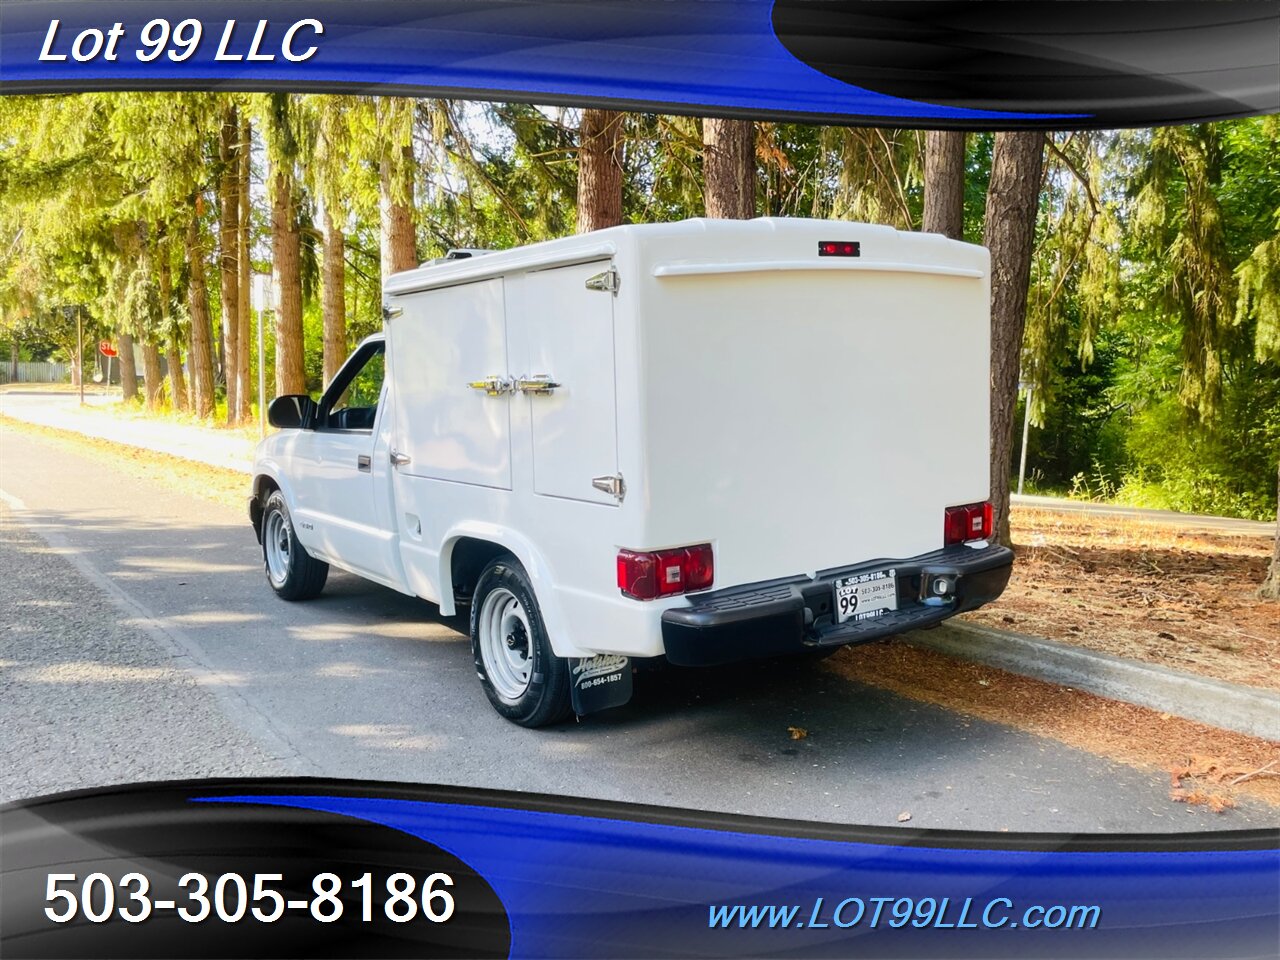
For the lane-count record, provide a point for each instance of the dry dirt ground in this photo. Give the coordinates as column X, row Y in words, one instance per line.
column 1148, row 591
column 1090, row 580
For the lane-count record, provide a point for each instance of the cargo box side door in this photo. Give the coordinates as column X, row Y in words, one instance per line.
column 445, row 346
column 568, row 382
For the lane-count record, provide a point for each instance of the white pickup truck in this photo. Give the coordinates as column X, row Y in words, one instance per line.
column 706, row 440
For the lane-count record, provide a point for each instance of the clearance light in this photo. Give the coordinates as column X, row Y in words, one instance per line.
column 665, row 573
column 839, row 248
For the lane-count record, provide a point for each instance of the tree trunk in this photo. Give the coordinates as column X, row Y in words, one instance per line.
column 244, row 382
column 154, row 382
column 201, row 352
column 334, row 306
column 1013, row 200
column 944, row 183
column 286, row 245
column 177, row 382
column 13, row 360
column 128, row 368
column 1270, row 589
column 229, row 251
column 729, row 168
column 599, row 170
column 399, row 240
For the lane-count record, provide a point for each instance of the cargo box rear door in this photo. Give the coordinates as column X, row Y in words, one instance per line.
column 568, row 330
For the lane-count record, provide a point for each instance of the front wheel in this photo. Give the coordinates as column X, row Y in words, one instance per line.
column 521, row 675
column 292, row 572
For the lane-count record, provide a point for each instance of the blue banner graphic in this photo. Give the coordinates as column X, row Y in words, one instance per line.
column 909, row 63
column 577, row 885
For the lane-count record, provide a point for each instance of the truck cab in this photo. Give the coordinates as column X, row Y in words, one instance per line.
column 707, row 441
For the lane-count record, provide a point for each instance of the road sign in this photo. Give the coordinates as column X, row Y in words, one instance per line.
column 106, row 349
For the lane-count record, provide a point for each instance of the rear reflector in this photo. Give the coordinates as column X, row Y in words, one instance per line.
column 966, row 524
column 839, row 248
column 666, row 573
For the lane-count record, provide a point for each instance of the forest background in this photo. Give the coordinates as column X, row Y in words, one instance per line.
column 1136, row 273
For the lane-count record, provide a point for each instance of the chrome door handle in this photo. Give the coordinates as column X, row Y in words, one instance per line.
column 494, row 386
column 538, row 384
column 399, row 459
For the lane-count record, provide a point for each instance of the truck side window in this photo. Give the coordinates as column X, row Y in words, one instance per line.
column 356, row 407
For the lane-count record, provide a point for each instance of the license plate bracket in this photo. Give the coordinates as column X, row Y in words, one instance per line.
column 865, row 596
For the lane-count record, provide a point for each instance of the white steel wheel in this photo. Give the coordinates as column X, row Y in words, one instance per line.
column 506, row 640
column 275, row 547
column 521, row 675
column 292, row 572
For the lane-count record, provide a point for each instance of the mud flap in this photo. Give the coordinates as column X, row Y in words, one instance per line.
column 599, row 683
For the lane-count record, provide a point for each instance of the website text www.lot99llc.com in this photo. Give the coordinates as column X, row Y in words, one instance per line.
column 896, row 912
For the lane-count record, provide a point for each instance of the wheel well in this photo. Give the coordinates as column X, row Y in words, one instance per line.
column 263, row 487
column 468, row 558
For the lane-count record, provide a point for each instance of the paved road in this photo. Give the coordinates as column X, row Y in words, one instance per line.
column 1185, row 521
column 146, row 645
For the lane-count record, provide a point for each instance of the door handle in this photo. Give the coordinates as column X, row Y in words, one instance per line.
column 494, row 386
column 364, row 464
column 399, row 459
column 540, row 384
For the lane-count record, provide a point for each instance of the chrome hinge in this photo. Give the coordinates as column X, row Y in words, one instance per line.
column 612, row 485
column 390, row 313
column 607, row 282
column 493, row 386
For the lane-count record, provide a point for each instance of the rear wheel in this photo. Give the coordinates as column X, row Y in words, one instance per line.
column 521, row 675
column 292, row 572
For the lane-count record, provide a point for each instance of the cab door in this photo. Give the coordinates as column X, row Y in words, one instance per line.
column 343, row 466
column 568, row 382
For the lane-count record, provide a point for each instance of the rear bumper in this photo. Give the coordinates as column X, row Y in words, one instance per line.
column 795, row 614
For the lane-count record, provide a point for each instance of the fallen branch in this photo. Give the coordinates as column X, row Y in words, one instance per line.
column 1260, row 772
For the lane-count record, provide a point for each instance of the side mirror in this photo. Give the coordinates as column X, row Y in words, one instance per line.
column 292, row 412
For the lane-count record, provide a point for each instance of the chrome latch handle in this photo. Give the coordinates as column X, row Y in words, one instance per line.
column 493, row 386
column 539, row 384
column 399, row 459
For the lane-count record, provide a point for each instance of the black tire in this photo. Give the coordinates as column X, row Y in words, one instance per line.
column 545, row 699
column 300, row 576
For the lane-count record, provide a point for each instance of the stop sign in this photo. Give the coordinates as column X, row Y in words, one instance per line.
column 106, row 349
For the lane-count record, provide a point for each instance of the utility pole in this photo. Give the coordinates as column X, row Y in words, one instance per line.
column 1026, row 429
column 262, row 297
column 80, row 351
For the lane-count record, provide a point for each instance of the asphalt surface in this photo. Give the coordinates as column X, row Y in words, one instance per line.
column 1184, row 521
column 141, row 642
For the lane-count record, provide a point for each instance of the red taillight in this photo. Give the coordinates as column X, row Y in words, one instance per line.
column 665, row 573
column 839, row 248
column 967, row 523
column 637, row 574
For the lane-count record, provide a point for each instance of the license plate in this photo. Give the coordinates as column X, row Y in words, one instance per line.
column 866, row 596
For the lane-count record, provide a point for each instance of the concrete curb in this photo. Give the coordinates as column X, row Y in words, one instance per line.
column 1227, row 705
